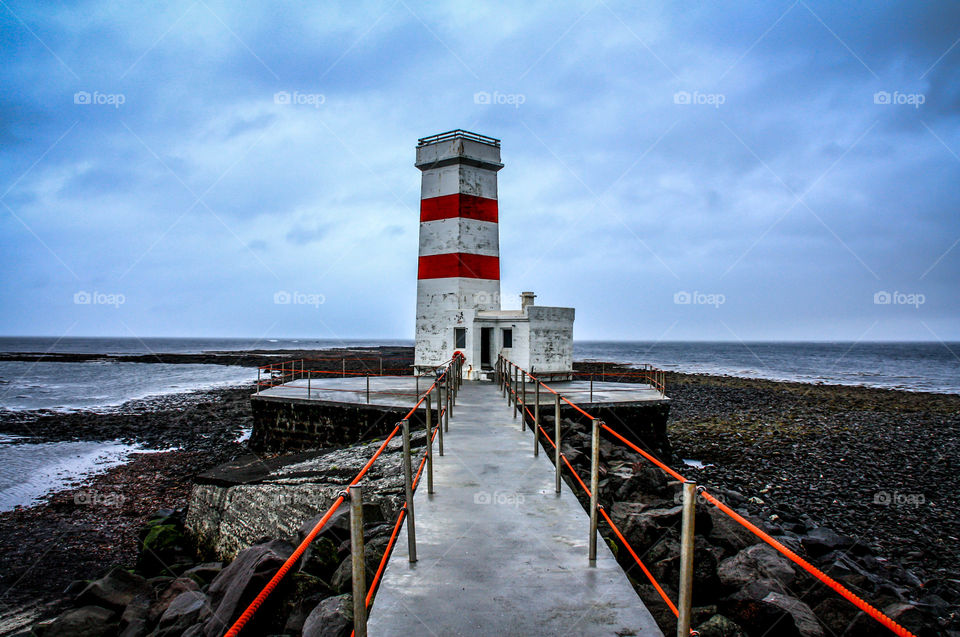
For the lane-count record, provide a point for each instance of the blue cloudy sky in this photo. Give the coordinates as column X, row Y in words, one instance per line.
column 755, row 171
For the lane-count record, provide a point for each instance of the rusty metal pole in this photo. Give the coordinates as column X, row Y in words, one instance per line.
column 591, row 387
column 258, row 380
column 429, row 417
column 685, row 600
column 308, row 386
column 536, row 420
column 523, row 394
column 516, row 390
column 556, row 438
column 381, row 365
column 343, row 366
column 450, row 392
column 368, row 390
column 408, row 492
column 440, row 413
column 594, row 487
column 357, row 562
column 446, row 411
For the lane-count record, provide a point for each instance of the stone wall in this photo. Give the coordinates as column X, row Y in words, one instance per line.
column 289, row 425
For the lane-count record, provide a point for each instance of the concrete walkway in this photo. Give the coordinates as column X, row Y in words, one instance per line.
column 500, row 552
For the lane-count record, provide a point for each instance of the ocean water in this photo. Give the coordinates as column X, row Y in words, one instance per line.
column 928, row 367
column 101, row 386
column 98, row 345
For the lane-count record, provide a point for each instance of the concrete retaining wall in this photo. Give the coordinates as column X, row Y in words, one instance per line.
column 288, row 425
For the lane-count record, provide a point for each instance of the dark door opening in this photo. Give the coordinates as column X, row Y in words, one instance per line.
column 486, row 341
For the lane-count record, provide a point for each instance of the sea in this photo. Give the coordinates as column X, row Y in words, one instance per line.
column 29, row 470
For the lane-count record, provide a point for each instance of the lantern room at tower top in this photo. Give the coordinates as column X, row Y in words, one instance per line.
column 458, row 275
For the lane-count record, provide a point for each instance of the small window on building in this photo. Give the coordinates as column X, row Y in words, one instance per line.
column 460, row 338
column 508, row 338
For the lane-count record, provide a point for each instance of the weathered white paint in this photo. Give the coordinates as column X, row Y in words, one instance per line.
column 450, row 180
column 445, row 236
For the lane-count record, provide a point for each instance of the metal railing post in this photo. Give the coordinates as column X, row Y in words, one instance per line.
column 368, row 390
column 408, row 492
column 556, row 437
column 343, row 366
column 440, row 423
column 258, row 380
column 536, row 420
column 308, row 386
column 446, row 412
column 685, row 600
column 450, row 393
column 523, row 408
column 357, row 562
column 591, row 387
column 594, row 486
column 516, row 390
column 381, row 365
column 429, row 418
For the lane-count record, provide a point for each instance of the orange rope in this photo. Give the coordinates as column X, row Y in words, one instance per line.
column 386, row 555
column 813, row 570
column 280, row 574
column 646, row 571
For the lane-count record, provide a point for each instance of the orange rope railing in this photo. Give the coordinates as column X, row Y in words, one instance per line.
column 794, row 557
column 252, row 608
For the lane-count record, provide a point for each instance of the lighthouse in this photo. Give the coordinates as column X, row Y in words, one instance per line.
column 458, row 270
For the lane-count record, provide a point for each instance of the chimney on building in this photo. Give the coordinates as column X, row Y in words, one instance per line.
column 526, row 298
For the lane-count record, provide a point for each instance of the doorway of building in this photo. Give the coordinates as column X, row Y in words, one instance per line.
column 486, row 341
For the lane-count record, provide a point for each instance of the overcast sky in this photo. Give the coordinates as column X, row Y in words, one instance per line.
column 766, row 171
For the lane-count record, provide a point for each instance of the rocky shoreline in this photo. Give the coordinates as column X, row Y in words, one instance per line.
column 814, row 456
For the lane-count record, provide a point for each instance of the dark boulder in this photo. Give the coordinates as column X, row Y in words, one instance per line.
column 204, row 573
column 720, row 626
column 177, row 587
column 114, row 590
column 333, row 617
column 822, row 540
column 239, row 583
column 755, row 563
column 182, row 613
column 86, row 621
column 803, row 619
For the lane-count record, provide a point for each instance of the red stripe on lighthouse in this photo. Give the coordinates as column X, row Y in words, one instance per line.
column 458, row 205
column 459, row 264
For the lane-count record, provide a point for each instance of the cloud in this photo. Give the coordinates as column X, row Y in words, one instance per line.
column 782, row 185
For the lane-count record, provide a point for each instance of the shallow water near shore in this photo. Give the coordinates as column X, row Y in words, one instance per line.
column 31, row 470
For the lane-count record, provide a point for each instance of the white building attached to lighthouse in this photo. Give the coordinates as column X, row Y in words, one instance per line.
column 458, row 277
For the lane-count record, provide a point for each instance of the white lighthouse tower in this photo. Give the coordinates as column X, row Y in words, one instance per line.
column 458, row 275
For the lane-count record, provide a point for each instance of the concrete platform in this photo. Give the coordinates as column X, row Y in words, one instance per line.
column 500, row 552
column 399, row 391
